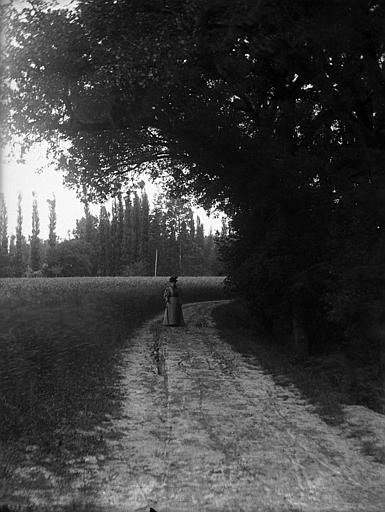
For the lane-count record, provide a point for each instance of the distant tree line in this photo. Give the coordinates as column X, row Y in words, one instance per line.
column 132, row 239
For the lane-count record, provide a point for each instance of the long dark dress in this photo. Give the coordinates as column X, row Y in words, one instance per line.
column 173, row 314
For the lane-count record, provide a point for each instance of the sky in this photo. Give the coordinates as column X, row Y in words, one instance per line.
column 22, row 177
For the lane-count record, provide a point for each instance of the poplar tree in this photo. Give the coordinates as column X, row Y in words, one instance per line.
column 18, row 260
column 89, row 224
column 35, row 244
column 3, row 226
column 4, row 259
column 157, row 235
column 127, row 233
column 171, row 254
column 52, row 237
column 119, row 233
column 117, row 227
column 144, row 230
column 136, row 215
column 200, row 234
column 86, row 230
column 115, row 242
column 104, row 243
column 210, row 255
column 12, row 248
column 184, row 244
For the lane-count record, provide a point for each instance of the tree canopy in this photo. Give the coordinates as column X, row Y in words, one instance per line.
column 219, row 93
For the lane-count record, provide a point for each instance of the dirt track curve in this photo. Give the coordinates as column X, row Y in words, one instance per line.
column 203, row 428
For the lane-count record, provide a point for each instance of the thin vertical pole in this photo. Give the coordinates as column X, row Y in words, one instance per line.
column 156, row 261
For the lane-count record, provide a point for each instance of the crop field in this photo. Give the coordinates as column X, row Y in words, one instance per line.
column 32, row 291
column 59, row 341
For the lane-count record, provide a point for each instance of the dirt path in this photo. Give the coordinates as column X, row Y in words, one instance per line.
column 203, row 428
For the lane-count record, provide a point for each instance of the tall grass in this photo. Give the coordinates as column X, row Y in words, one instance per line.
column 59, row 342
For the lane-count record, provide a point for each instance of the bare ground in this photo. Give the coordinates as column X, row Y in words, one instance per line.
column 204, row 428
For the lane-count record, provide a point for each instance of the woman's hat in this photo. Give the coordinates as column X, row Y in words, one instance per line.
column 173, row 279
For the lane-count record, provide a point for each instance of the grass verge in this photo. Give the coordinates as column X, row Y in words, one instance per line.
column 316, row 385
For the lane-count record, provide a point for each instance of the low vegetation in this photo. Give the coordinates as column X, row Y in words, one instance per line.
column 59, row 341
column 328, row 381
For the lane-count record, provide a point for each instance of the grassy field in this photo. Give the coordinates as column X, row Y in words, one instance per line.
column 59, row 341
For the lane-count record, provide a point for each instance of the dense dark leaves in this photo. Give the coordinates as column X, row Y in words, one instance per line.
column 216, row 89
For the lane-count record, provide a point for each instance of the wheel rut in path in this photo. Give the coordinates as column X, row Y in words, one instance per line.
column 203, row 428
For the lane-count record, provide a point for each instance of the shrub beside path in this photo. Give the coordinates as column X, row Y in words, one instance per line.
column 203, row 428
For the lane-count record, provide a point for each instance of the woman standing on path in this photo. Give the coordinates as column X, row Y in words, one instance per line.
column 173, row 315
